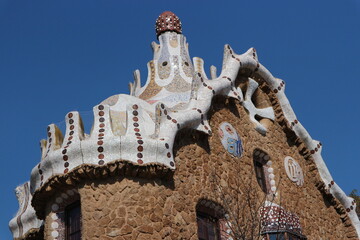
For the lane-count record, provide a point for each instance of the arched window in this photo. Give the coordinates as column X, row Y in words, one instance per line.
column 262, row 170
column 73, row 221
column 65, row 216
column 211, row 220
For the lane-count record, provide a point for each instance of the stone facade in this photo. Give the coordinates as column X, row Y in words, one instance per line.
column 119, row 207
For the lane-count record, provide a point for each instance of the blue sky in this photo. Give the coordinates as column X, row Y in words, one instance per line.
column 59, row 56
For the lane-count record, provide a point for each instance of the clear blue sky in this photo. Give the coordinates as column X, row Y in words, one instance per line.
column 58, row 56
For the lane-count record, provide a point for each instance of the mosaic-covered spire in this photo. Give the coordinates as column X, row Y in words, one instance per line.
column 168, row 21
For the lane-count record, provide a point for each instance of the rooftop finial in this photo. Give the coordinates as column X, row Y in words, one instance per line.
column 168, row 21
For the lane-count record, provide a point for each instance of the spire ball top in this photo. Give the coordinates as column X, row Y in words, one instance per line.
column 167, row 21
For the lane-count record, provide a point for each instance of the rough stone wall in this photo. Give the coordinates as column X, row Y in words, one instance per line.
column 138, row 208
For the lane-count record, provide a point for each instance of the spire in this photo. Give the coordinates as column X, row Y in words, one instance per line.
column 168, row 21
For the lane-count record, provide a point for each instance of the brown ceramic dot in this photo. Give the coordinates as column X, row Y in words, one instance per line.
column 39, row 166
column 135, row 113
column 100, row 149
column 229, row 79
column 139, row 137
column 316, row 149
column 178, row 126
column 137, row 134
column 101, row 135
column 101, row 130
column 70, row 115
column 351, row 207
column 101, row 119
column 42, row 178
column 168, row 117
column 135, row 124
column 40, row 171
column 296, row 121
column 140, row 148
column 71, row 133
column 172, row 164
column 167, row 145
column 162, row 139
column 199, row 74
column 140, row 161
column 165, row 112
column 66, row 170
column 71, row 121
column 162, row 106
column 101, row 156
column 70, row 138
column 140, row 141
column 275, row 90
column 332, row 182
column 64, row 151
column 65, row 157
column 135, row 119
column 348, row 209
column 135, row 106
column 69, row 142
column 50, row 140
column 66, row 164
column 139, row 155
column 312, row 151
column 186, row 63
column 49, row 134
column 292, row 123
column 168, row 155
column 48, row 128
column 101, row 113
column 101, row 162
column 100, row 142
column 101, row 107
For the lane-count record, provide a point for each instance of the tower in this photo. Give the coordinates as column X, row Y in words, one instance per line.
column 179, row 156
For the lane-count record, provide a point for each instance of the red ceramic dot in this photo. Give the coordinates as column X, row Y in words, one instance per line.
column 168, row 155
column 101, row 156
column 65, row 157
column 140, row 148
column 101, row 113
column 101, row 125
column 140, row 161
column 135, row 106
column 66, row 170
column 100, row 142
column 70, row 115
column 135, row 119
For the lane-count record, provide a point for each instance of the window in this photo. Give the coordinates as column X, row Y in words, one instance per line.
column 73, row 221
column 283, row 236
column 211, row 221
column 208, row 227
column 261, row 170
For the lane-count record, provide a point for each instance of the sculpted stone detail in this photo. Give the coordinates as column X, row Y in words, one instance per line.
column 230, row 139
column 294, row 171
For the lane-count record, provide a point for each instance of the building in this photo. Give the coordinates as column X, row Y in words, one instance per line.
column 186, row 156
